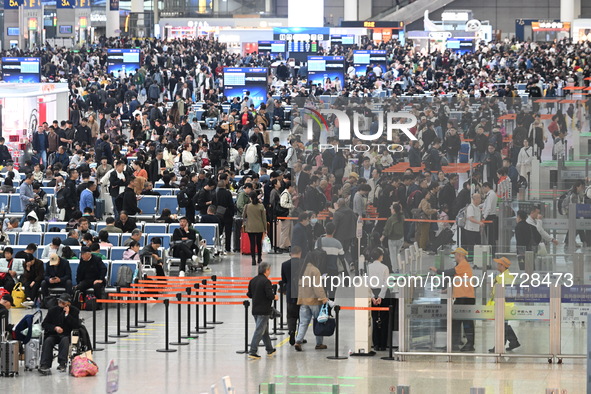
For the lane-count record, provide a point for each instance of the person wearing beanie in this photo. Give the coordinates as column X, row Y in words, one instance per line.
column 504, row 278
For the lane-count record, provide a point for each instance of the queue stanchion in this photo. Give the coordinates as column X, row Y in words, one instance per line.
column 281, row 325
column 337, row 309
column 96, row 349
column 214, row 278
column 166, row 323
column 146, row 321
column 246, row 304
column 198, row 329
column 390, row 333
column 179, row 297
column 189, row 334
column 128, row 329
column 205, row 326
column 136, row 308
column 106, row 341
column 275, row 332
column 118, row 335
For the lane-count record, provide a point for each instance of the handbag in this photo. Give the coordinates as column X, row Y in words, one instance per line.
column 323, row 314
column 18, row 295
column 83, row 366
column 325, row 329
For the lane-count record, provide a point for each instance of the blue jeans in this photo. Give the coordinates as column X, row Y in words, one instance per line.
column 210, row 122
column 307, row 313
column 261, row 332
column 115, row 212
column 43, row 156
column 256, row 167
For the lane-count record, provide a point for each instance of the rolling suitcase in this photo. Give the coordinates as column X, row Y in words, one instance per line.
column 9, row 358
column 464, row 154
column 244, row 243
column 237, row 232
column 32, row 354
column 99, row 210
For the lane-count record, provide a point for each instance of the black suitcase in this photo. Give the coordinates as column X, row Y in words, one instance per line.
column 236, row 233
column 446, row 237
column 99, row 210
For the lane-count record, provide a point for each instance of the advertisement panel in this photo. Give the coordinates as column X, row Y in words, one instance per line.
column 237, row 81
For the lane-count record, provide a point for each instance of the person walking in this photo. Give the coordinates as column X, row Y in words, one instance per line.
column 260, row 290
column 290, row 271
column 255, row 225
column 504, row 278
column 394, row 232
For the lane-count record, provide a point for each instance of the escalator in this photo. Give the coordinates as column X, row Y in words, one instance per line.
column 409, row 12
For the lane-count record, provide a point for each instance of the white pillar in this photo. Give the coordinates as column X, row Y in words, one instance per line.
column 112, row 25
column 305, row 13
column 351, row 10
column 137, row 7
column 365, row 10
column 569, row 10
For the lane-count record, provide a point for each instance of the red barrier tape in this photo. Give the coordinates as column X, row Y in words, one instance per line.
column 129, row 301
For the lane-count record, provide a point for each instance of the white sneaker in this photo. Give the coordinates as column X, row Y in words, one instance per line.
column 28, row 304
column 181, row 273
column 195, row 259
column 206, row 269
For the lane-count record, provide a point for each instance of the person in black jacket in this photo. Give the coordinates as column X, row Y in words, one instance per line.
column 129, row 202
column 447, row 194
column 4, row 153
column 462, row 200
column 452, row 145
column 191, row 191
column 204, row 198
column 184, row 239
column 299, row 235
column 523, row 237
column 414, row 155
column 92, row 272
column 289, row 278
column 345, row 221
column 216, row 152
column 223, row 198
column 157, row 167
column 117, row 183
column 125, row 223
column 83, row 133
column 58, row 325
column 260, row 290
column 71, row 196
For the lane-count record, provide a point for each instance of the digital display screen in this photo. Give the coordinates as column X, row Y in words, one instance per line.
column 238, row 81
column 21, row 69
column 271, row 48
column 362, row 59
column 13, row 31
column 326, row 71
column 123, row 60
column 66, row 29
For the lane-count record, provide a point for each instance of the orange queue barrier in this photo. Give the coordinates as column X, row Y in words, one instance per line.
column 437, row 221
column 106, row 301
column 241, row 278
column 286, row 218
column 365, row 308
column 166, row 295
column 194, row 278
column 181, row 289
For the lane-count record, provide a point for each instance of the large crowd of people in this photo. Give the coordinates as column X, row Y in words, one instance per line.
column 131, row 135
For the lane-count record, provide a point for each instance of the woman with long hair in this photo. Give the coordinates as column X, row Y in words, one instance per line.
column 255, row 219
column 311, row 296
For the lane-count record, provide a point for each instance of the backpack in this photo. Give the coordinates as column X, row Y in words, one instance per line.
column 461, row 217
column 61, row 198
column 311, row 160
column 281, row 156
column 124, row 276
column 564, row 202
column 251, row 154
column 182, row 199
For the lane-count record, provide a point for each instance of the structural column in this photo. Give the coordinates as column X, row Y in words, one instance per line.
column 112, row 11
column 305, row 13
column 569, row 10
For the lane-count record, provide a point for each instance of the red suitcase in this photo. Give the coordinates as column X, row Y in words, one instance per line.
column 244, row 243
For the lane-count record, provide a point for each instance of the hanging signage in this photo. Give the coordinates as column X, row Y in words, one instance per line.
column 550, row 26
column 114, row 5
column 374, row 24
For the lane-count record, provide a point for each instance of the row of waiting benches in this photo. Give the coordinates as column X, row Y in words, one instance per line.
column 19, row 241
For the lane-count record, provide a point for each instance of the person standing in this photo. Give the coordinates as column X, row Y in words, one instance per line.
column 40, row 145
column 255, row 219
column 474, row 223
column 223, row 198
column 345, row 222
column 394, row 233
column 299, row 236
column 260, row 290
column 290, row 271
column 504, row 278
column 489, row 213
column 380, row 298
column 463, row 293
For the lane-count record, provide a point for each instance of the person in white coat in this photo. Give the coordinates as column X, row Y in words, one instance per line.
column 525, row 158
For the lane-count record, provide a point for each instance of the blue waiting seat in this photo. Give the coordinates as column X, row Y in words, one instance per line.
column 150, row 228
column 60, row 225
column 169, row 202
column 100, row 226
column 148, row 205
column 74, row 267
column 50, row 236
column 12, row 237
column 117, row 252
column 172, row 227
column 5, row 201
column 15, row 204
column 126, row 236
column 209, row 232
column 115, row 239
column 164, row 236
column 27, row 238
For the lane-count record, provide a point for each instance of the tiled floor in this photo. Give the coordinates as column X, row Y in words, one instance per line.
column 194, row 368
